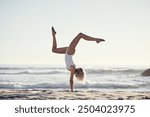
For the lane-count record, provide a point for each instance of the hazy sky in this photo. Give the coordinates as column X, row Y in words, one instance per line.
column 25, row 31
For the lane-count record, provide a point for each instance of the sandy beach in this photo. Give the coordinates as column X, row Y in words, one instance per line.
column 67, row 95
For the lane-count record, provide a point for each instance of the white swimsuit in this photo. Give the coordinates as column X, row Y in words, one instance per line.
column 69, row 61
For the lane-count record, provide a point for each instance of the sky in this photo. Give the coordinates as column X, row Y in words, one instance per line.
column 25, row 31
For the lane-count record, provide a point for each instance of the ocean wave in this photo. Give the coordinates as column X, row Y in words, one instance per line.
column 112, row 71
column 47, row 71
column 87, row 85
column 27, row 68
column 32, row 72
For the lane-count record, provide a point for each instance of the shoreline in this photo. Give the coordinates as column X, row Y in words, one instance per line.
column 67, row 95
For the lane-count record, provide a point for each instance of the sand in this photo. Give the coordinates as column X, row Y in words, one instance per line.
column 67, row 95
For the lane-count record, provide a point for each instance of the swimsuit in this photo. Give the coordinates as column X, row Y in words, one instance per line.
column 69, row 60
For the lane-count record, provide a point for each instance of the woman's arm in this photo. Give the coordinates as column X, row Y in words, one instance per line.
column 72, row 72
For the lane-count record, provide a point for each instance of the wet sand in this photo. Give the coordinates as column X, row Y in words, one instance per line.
column 67, row 95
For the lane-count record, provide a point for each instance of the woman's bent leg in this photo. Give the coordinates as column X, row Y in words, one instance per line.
column 61, row 50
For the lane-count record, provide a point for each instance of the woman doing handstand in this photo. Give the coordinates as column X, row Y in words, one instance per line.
column 69, row 52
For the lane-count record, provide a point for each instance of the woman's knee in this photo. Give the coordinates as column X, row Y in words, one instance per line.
column 54, row 50
column 80, row 35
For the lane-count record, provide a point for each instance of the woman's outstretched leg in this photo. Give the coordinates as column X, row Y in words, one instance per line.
column 54, row 46
column 89, row 38
column 75, row 41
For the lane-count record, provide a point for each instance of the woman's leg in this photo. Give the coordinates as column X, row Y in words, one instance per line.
column 54, row 46
column 75, row 41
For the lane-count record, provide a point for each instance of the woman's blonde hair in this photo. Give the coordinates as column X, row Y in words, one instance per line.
column 82, row 76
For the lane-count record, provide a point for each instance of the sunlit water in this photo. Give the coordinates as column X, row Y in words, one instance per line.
column 99, row 78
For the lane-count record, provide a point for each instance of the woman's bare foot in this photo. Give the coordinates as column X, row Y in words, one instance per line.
column 53, row 31
column 99, row 40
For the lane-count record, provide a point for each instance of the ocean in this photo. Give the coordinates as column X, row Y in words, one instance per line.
column 56, row 77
